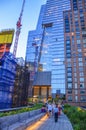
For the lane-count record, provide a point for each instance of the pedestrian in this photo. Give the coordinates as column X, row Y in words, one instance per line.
column 56, row 113
column 43, row 109
column 49, row 110
column 53, row 106
column 59, row 109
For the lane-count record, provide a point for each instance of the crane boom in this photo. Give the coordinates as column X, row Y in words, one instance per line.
column 18, row 29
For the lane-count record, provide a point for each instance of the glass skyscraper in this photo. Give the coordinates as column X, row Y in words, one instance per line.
column 45, row 45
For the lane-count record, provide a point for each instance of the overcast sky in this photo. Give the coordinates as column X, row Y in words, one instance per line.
column 9, row 14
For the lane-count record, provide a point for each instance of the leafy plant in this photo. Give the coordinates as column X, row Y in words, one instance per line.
column 36, row 106
column 77, row 116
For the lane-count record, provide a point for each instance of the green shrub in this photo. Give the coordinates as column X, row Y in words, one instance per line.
column 76, row 116
column 76, row 127
column 35, row 107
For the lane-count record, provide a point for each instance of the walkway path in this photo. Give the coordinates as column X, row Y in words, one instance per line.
column 49, row 124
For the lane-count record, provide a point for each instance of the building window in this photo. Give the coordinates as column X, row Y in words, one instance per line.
column 75, row 85
column 69, row 91
column 72, row 41
column 74, row 69
column 81, row 74
column 84, row 36
column 79, row 50
column 68, row 47
column 76, row 92
column 77, row 24
column 74, row 64
column 75, row 79
column 68, row 51
column 77, row 36
column 76, row 12
column 70, row 98
column 69, row 85
column 68, row 42
column 81, row 79
column 81, row 11
column 69, row 65
column 76, row 98
column 68, row 55
column 80, row 68
column 69, row 79
column 81, row 85
column 69, row 69
column 68, row 38
column 84, row 40
column 78, row 42
column 69, row 74
column 68, row 60
column 79, row 54
column 74, row 59
column 77, row 29
column 79, row 59
column 75, row 74
column 84, row 45
column 80, row 64
column 78, row 45
column 82, row 92
column 76, row 19
column 83, row 98
column 83, row 32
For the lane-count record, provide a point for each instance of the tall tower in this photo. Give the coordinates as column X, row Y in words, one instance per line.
column 18, row 30
column 52, row 51
column 75, row 52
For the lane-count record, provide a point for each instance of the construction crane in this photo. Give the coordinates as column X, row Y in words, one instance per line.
column 18, row 30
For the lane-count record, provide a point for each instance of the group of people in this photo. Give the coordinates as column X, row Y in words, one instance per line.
column 53, row 109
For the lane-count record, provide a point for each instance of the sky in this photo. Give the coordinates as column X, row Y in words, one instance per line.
column 9, row 14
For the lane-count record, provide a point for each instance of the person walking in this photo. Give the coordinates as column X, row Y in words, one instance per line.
column 49, row 110
column 53, row 106
column 59, row 109
column 56, row 113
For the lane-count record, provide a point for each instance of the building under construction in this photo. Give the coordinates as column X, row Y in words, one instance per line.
column 6, row 38
column 7, row 76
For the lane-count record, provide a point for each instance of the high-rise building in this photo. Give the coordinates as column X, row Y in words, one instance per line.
column 60, row 37
column 49, row 37
column 75, row 52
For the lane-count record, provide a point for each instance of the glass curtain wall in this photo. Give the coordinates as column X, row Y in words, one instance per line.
column 52, row 53
column 54, row 14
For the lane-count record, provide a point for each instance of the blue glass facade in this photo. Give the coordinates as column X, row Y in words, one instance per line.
column 50, row 35
column 7, row 76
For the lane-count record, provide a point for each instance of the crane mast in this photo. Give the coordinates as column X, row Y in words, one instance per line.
column 18, row 30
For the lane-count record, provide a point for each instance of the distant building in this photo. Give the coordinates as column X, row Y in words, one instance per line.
column 6, row 38
column 7, row 77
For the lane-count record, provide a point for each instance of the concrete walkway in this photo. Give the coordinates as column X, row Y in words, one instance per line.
column 49, row 124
